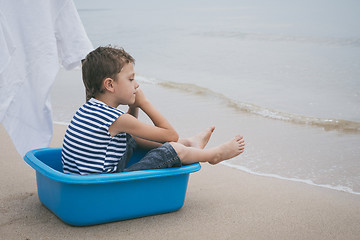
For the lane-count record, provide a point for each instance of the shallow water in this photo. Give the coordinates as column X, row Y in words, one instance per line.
column 298, row 58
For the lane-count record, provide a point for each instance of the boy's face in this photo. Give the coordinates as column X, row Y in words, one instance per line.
column 125, row 85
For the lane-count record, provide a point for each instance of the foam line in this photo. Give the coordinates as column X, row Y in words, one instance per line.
column 307, row 181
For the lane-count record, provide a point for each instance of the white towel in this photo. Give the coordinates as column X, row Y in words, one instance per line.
column 35, row 38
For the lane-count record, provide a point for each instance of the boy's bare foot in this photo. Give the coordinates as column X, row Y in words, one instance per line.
column 229, row 149
column 200, row 140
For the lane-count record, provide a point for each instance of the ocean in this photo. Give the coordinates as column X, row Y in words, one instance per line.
column 284, row 74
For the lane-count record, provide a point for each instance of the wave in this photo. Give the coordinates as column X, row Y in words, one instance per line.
column 325, row 123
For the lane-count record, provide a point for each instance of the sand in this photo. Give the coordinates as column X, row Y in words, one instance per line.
column 221, row 203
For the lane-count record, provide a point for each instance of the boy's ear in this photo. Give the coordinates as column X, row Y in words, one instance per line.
column 108, row 84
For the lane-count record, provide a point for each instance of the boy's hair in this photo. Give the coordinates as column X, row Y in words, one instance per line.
column 103, row 62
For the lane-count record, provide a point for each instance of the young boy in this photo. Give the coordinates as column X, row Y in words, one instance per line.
column 101, row 138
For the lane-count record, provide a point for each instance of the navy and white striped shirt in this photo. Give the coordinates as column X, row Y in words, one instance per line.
column 88, row 147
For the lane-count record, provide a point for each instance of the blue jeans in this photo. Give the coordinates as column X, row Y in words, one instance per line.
column 161, row 157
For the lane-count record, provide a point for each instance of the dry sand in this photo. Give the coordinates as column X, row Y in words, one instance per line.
column 221, row 203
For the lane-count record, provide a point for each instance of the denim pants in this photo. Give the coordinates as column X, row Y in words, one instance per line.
column 161, row 157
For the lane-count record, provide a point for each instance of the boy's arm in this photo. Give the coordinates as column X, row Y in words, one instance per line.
column 161, row 132
column 134, row 111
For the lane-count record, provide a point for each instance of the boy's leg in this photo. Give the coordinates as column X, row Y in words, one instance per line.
column 188, row 151
column 214, row 155
column 198, row 141
column 146, row 144
column 161, row 157
column 165, row 156
column 131, row 144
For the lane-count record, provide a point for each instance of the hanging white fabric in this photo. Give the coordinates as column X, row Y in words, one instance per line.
column 35, row 38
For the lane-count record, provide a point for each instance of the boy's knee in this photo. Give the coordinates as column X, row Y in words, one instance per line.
column 179, row 148
column 175, row 146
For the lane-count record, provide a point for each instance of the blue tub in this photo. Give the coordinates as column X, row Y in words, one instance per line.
column 94, row 199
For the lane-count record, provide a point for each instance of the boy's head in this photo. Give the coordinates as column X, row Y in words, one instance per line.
column 102, row 63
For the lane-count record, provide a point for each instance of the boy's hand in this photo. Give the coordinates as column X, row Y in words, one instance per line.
column 140, row 99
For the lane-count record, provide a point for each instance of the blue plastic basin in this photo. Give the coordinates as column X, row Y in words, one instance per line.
column 93, row 199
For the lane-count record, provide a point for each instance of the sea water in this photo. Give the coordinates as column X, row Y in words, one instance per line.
column 285, row 75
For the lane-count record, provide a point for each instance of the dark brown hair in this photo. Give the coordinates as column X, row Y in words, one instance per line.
column 102, row 63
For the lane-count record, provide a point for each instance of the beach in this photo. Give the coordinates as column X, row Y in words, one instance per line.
column 283, row 75
column 221, row 203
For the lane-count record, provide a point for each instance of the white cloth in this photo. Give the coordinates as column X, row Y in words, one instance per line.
column 35, row 38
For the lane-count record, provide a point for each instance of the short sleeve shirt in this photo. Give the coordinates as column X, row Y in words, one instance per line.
column 88, row 147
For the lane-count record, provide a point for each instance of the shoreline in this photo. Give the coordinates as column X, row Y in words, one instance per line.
column 232, row 204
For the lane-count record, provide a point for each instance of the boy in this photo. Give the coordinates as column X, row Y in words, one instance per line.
column 101, row 138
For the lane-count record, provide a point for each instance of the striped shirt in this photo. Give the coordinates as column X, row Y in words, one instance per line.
column 88, row 147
